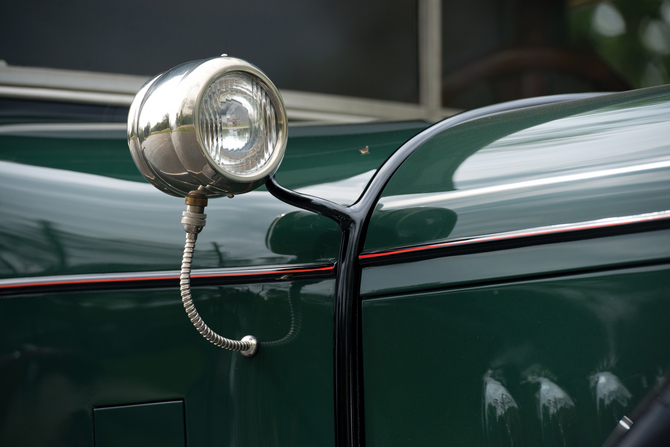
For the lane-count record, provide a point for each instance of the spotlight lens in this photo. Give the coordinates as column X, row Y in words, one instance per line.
column 238, row 124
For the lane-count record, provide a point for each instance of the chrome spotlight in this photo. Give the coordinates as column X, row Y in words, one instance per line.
column 204, row 129
column 215, row 125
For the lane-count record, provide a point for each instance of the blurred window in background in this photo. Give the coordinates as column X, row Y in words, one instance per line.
column 364, row 49
column 490, row 51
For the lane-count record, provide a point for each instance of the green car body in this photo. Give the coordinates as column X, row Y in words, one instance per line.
column 513, row 287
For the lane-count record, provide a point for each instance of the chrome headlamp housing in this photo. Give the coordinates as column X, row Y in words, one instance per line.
column 218, row 125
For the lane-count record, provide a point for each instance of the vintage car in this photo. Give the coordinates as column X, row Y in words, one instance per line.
column 499, row 278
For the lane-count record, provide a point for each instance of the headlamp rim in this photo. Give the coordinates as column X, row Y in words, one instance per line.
column 238, row 66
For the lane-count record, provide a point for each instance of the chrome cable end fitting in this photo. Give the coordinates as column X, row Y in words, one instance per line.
column 194, row 217
column 253, row 346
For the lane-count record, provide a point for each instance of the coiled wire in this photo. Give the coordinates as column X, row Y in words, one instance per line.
column 248, row 347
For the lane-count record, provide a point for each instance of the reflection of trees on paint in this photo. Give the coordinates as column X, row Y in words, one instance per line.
column 632, row 35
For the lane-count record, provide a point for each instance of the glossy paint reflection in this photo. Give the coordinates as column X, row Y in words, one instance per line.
column 410, row 226
column 502, row 424
column 558, row 416
column 344, row 192
column 63, row 355
column 612, row 399
column 531, row 350
column 585, row 160
column 62, row 222
column 319, row 237
column 67, row 212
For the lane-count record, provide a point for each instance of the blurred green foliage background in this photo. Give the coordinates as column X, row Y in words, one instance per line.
column 631, row 35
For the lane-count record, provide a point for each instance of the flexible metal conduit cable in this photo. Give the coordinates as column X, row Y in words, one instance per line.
column 193, row 220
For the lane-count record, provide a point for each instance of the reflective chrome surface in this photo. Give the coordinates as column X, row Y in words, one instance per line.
column 167, row 144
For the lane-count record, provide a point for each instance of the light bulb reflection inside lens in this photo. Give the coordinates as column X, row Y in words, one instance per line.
column 238, row 124
column 237, row 127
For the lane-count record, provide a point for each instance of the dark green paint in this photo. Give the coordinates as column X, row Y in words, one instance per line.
column 79, row 205
column 64, row 222
column 603, row 253
column 65, row 354
column 428, row 357
column 98, row 156
column 319, row 238
column 324, row 154
column 155, row 424
column 542, row 345
column 435, row 340
column 526, row 169
column 314, row 154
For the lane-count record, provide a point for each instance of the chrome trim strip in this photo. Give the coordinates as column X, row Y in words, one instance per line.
column 302, row 105
column 134, row 277
column 62, row 127
column 78, row 80
column 538, row 231
column 51, row 94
